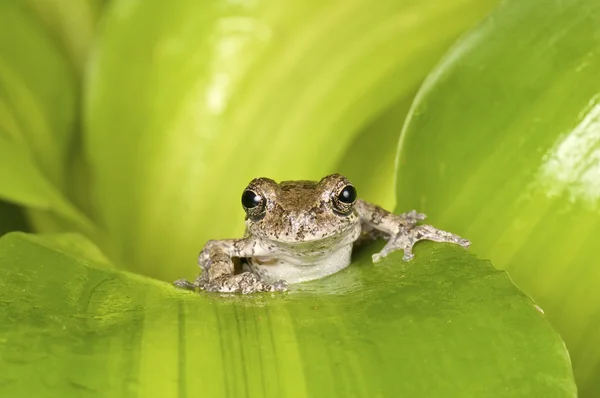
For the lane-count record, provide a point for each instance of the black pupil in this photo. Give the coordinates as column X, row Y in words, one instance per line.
column 348, row 194
column 250, row 199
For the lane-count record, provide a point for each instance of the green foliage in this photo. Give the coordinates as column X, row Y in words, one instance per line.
column 37, row 120
column 445, row 325
column 72, row 24
column 37, row 98
column 140, row 133
column 516, row 160
column 217, row 93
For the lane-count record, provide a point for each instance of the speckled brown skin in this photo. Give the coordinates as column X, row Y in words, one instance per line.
column 302, row 230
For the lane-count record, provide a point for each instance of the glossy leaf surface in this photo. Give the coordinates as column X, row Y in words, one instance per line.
column 444, row 325
column 503, row 147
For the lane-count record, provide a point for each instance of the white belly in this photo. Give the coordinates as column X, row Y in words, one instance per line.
column 297, row 269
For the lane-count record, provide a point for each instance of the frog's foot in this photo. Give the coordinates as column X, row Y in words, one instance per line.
column 245, row 283
column 407, row 238
column 185, row 284
column 412, row 217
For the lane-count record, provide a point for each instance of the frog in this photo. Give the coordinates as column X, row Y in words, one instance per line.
column 298, row 231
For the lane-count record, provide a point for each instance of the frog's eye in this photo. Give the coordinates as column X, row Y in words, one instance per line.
column 251, row 199
column 347, row 195
column 254, row 204
column 344, row 199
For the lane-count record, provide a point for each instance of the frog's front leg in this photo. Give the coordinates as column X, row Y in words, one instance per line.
column 216, row 261
column 402, row 230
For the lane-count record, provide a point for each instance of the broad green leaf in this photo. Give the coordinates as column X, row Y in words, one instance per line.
column 37, row 116
column 444, row 325
column 188, row 101
column 503, row 147
column 74, row 245
column 72, row 24
column 37, row 93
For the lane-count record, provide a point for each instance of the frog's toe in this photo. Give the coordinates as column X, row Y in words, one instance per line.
column 377, row 257
column 465, row 243
column 413, row 216
column 280, row 286
column 408, row 255
column 246, row 282
column 390, row 248
column 418, row 216
column 184, row 284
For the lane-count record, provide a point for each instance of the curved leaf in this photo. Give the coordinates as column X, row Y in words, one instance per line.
column 503, row 147
column 22, row 182
column 216, row 93
column 444, row 325
column 369, row 160
column 37, row 115
column 37, row 93
column 71, row 23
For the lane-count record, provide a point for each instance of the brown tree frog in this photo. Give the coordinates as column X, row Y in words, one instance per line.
column 299, row 231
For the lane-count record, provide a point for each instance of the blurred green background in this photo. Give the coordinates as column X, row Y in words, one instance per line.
column 138, row 123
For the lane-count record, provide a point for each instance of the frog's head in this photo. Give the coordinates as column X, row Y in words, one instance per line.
column 296, row 213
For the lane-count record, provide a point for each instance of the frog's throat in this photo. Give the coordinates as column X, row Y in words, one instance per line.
column 294, row 269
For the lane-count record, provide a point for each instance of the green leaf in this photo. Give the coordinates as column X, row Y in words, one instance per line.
column 37, row 93
column 369, row 160
column 444, row 325
column 72, row 24
column 503, row 147
column 37, row 119
column 73, row 245
column 22, row 182
column 216, row 93
column 72, row 27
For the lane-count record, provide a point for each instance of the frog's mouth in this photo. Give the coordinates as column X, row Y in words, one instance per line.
column 266, row 260
column 319, row 245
